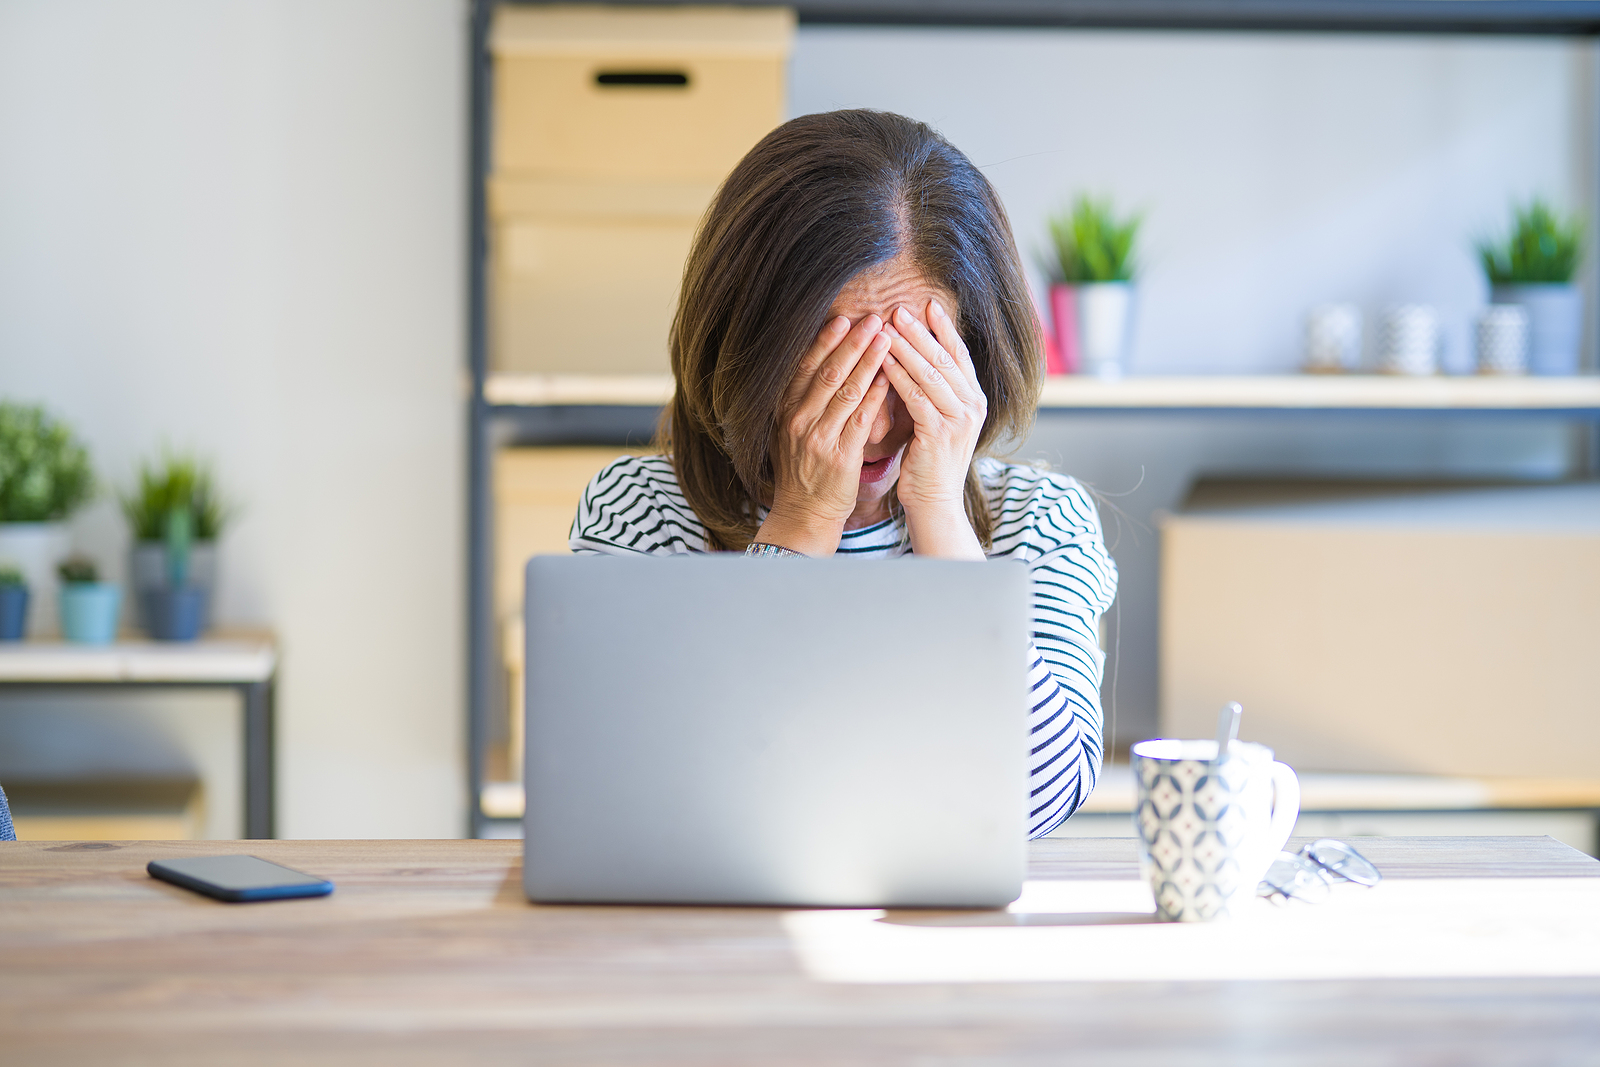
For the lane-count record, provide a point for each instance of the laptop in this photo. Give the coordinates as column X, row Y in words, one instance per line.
column 721, row 730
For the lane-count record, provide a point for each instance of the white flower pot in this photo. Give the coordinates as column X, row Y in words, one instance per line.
column 35, row 548
column 1555, row 324
column 1105, row 324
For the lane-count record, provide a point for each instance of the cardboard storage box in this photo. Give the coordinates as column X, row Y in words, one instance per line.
column 1431, row 629
column 612, row 129
column 536, row 496
column 673, row 94
column 586, row 294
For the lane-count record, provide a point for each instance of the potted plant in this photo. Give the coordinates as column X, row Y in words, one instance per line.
column 89, row 607
column 1092, row 293
column 1534, row 267
column 44, row 477
column 13, row 604
column 176, row 515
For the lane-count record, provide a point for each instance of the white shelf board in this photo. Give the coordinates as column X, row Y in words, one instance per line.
column 559, row 390
column 224, row 661
column 1319, row 792
column 1331, row 791
column 1287, row 392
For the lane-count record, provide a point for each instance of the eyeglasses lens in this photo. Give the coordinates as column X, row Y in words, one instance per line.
column 1344, row 861
column 1295, row 876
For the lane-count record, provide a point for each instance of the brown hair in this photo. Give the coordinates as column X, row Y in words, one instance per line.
column 819, row 200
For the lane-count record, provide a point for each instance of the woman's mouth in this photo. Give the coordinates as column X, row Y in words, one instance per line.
column 877, row 470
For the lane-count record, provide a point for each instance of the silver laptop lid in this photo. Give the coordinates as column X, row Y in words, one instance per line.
column 716, row 729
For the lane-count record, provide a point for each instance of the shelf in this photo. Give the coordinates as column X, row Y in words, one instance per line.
column 577, row 390
column 1522, row 17
column 1286, row 392
column 1350, row 392
column 1330, row 792
column 1319, row 792
column 221, row 660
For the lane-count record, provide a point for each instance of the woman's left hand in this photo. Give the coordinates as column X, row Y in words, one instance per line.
column 934, row 376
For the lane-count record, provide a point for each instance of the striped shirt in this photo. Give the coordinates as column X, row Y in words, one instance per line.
column 1045, row 520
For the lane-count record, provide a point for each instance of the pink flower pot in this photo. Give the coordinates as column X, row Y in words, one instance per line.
column 1064, row 311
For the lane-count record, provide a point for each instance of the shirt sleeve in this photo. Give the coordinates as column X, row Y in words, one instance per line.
column 634, row 507
column 1050, row 523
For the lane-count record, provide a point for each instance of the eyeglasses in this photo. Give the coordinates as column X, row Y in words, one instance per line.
column 1309, row 874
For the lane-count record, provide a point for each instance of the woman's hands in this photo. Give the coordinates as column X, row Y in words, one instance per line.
column 823, row 426
column 827, row 420
column 934, row 376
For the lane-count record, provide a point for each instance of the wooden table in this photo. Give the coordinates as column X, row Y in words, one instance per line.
column 428, row 953
column 244, row 663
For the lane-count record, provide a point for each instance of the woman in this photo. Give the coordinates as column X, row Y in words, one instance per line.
column 854, row 329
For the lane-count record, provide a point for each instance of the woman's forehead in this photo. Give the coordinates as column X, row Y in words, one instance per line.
column 882, row 289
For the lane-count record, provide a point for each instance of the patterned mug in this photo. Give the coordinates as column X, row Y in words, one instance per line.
column 1208, row 830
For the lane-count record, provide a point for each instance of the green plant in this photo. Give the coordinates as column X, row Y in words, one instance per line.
column 44, row 470
column 1092, row 244
column 75, row 570
column 9, row 575
column 175, row 483
column 1544, row 246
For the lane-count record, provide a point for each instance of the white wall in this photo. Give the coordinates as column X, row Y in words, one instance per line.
column 1277, row 171
column 238, row 227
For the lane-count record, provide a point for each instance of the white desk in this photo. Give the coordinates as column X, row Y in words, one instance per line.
column 247, row 664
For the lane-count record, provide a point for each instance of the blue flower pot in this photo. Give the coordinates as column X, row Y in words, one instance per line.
column 89, row 612
column 13, row 612
column 177, row 614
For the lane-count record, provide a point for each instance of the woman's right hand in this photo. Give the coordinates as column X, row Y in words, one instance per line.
column 823, row 425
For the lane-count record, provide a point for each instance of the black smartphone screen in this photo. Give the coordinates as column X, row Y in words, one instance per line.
column 239, row 878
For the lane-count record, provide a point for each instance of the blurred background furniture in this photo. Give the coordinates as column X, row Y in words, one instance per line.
column 526, row 397
column 611, row 130
column 1389, row 627
column 608, row 131
column 1345, row 805
column 146, row 807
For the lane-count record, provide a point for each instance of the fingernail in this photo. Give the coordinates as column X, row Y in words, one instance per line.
column 937, row 308
column 881, row 339
column 902, row 314
column 839, row 325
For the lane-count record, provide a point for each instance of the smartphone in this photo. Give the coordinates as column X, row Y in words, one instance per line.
column 239, row 878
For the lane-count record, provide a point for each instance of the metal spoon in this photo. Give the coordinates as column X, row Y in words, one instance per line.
column 1227, row 728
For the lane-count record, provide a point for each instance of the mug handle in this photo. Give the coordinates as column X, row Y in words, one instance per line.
column 1285, row 805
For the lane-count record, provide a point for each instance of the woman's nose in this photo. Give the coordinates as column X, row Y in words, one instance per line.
column 885, row 420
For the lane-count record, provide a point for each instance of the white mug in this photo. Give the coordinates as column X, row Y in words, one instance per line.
column 1503, row 340
column 1408, row 340
column 1333, row 338
column 1208, row 831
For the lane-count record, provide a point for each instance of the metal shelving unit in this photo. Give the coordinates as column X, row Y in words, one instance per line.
column 624, row 412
